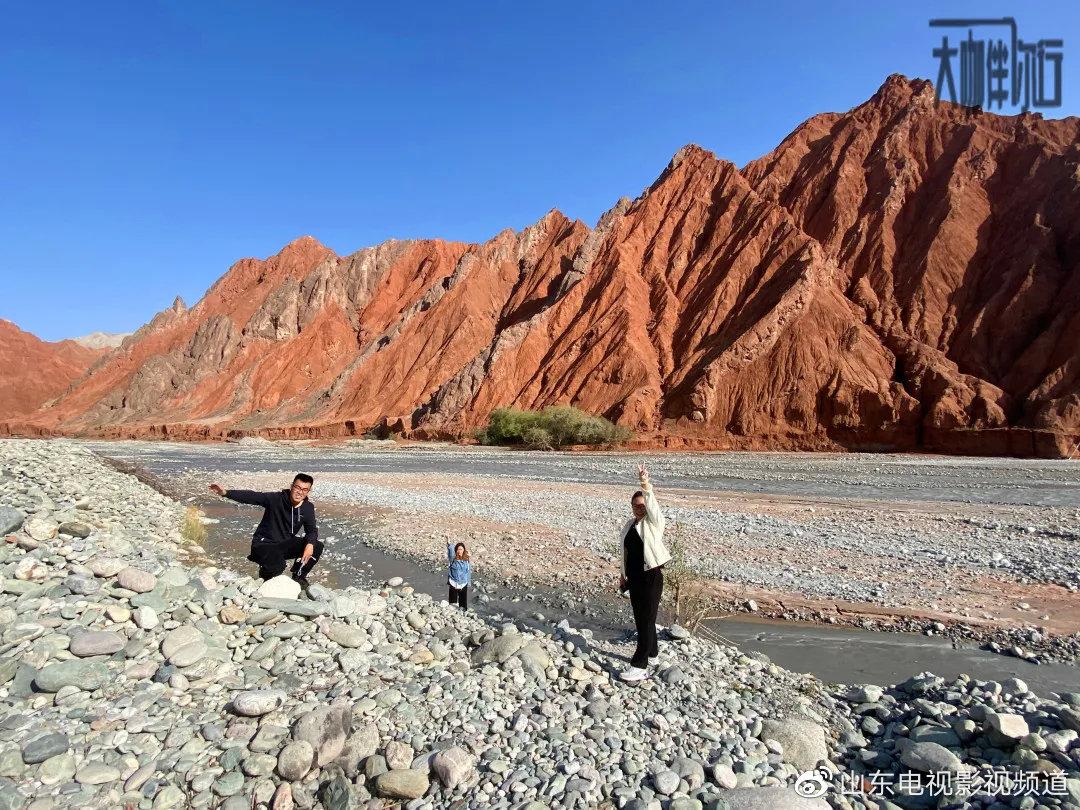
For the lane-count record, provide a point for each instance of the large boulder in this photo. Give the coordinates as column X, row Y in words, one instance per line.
column 1006, row 730
column 96, row 642
column 403, row 783
column 296, row 607
column 87, row 675
column 454, row 766
column 802, row 739
column 534, row 659
column 499, row 649
column 280, row 587
column 184, row 646
column 106, row 566
column 345, row 635
column 928, row 757
column 137, row 580
column 326, row 729
column 41, row 529
column 10, row 519
column 362, row 744
column 257, row 702
column 295, row 760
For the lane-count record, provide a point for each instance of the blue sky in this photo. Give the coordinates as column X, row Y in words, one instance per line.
column 145, row 146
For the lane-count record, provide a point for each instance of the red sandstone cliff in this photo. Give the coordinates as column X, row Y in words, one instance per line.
column 898, row 276
column 958, row 237
column 33, row 371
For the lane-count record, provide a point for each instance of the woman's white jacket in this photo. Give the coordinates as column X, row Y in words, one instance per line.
column 651, row 530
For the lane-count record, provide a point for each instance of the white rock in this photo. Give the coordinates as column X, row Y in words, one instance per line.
column 31, row 569
column 41, row 529
column 145, row 617
column 280, row 587
column 257, row 702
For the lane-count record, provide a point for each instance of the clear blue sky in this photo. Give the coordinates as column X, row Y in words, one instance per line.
column 145, row 146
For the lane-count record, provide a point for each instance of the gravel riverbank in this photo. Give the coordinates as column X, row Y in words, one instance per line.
column 983, row 551
column 132, row 676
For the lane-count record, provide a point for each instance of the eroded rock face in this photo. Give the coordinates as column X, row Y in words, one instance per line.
column 882, row 279
column 35, row 371
column 955, row 233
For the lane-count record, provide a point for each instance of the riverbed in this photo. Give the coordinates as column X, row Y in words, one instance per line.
column 384, row 510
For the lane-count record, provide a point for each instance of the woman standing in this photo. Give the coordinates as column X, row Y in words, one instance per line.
column 643, row 558
column 460, row 572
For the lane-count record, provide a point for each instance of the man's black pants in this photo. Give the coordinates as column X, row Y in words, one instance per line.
column 272, row 557
column 645, row 592
column 460, row 596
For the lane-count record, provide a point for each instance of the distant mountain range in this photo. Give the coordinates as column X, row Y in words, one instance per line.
column 102, row 340
column 903, row 275
column 33, row 371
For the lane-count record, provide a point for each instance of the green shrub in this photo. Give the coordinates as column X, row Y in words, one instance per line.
column 597, row 430
column 555, row 426
column 537, row 438
column 508, row 425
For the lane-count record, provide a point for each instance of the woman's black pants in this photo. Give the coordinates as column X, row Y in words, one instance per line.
column 460, row 596
column 645, row 591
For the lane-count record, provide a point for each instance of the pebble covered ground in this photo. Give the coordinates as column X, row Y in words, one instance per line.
column 130, row 676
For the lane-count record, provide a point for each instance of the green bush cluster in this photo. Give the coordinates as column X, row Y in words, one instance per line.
column 554, row 426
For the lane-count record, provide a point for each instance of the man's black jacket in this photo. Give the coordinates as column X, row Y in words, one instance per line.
column 281, row 521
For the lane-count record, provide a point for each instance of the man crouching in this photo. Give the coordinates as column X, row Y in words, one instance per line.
column 285, row 513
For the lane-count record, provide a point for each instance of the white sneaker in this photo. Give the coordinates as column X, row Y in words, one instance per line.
column 633, row 674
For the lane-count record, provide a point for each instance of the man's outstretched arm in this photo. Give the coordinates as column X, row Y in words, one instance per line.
column 247, row 496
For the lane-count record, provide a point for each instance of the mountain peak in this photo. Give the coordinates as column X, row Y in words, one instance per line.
column 691, row 152
column 898, row 89
column 302, row 252
column 304, row 241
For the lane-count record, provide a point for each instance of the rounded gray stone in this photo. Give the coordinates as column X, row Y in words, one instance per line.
column 295, row 760
column 87, row 675
column 96, row 642
column 41, row 748
column 255, row 703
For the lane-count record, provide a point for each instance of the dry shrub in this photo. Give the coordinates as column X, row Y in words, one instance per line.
column 685, row 591
column 193, row 530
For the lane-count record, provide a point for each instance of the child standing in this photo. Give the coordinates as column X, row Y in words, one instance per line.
column 460, row 573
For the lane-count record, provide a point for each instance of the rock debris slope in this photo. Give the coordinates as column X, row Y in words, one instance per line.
column 133, row 677
column 899, row 276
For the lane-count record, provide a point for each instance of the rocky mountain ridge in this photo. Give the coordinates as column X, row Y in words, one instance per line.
column 900, row 276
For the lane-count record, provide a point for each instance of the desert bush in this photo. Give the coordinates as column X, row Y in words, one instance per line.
column 685, row 591
column 597, row 430
column 562, row 423
column 554, row 426
column 193, row 530
column 537, row 438
column 508, row 425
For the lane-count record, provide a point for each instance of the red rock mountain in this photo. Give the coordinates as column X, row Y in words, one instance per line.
column 33, row 371
column 902, row 275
